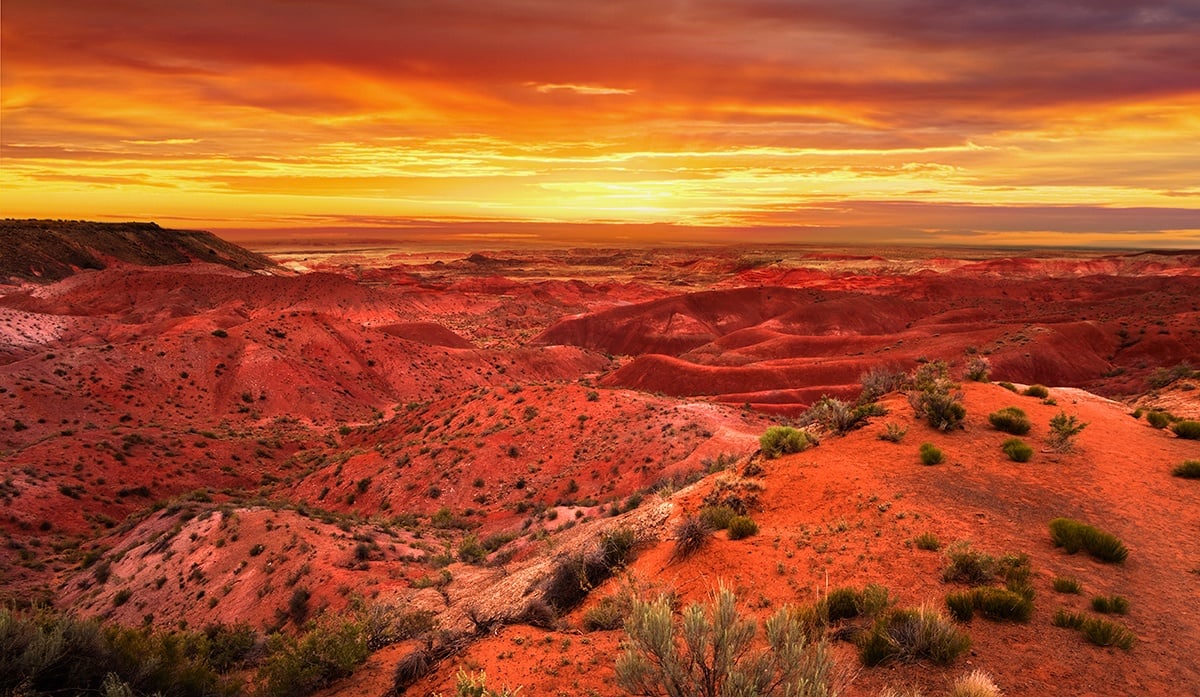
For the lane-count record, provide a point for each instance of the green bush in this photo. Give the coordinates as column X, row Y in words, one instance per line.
column 1097, row 630
column 1038, row 391
column 940, row 409
column 1063, row 429
column 301, row 665
column 927, row 541
column 718, row 517
column 1008, row 386
column 1073, row 536
column 1010, row 420
column 993, row 603
column 1111, row 604
column 931, row 454
column 741, row 527
column 1187, row 429
column 1067, row 584
column 912, row 634
column 1017, row 450
column 961, row 605
column 1190, row 469
column 783, row 440
column 1159, row 419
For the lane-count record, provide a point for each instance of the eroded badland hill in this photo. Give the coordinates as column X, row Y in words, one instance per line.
column 367, row 473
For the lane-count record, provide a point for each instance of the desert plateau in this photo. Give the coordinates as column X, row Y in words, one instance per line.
column 369, row 471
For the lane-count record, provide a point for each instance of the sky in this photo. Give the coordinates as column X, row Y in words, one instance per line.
column 939, row 122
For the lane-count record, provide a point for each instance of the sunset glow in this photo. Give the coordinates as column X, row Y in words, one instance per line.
column 926, row 121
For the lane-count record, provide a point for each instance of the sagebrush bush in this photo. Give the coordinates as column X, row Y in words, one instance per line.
column 1158, row 419
column 931, row 454
column 1017, row 450
column 1073, row 536
column 1189, row 430
column 977, row 369
column 1038, row 391
column 1010, row 420
column 1190, row 469
column 838, row 416
column 783, row 440
column 741, row 526
column 713, row 651
column 609, row 613
column 912, row 634
column 1067, row 584
column 1111, row 604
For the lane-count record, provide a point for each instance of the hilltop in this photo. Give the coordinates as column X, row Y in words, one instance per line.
column 51, row 250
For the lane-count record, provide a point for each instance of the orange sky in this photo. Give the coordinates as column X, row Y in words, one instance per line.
column 871, row 121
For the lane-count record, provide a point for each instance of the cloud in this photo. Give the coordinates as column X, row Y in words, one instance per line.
column 579, row 89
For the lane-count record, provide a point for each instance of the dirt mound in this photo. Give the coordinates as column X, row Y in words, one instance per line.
column 48, row 250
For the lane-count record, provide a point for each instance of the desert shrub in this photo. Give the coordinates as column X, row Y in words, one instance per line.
column 1187, row 429
column 783, row 440
column 977, row 369
column 421, row 661
column 1017, row 450
column 470, row 550
column 968, row 565
column 1010, row 420
column 1102, row 632
column 927, row 541
column 1067, row 584
column 839, row 604
column 1073, row 536
column 691, row 534
column 1097, row 630
column 575, row 575
column 894, row 433
column 1159, row 419
column 929, row 376
column 1008, row 386
column 742, row 527
column 1001, row 604
column 1161, row 377
column 303, row 664
column 941, row 409
column 1063, row 429
column 975, row 684
column 879, row 381
column 712, row 652
column 961, row 605
column 220, row 333
column 718, row 517
column 1190, row 469
column 1038, row 391
column 912, row 634
column 835, row 415
column 1111, row 604
column 931, row 454
column 607, row 614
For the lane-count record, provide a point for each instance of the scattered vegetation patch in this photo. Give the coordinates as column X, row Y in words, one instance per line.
column 1038, row 391
column 1189, row 430
column 1074, row 536
column 1097, row 630
column 1017, row 450
column 1190, row 469
column 1010, row 420
column 931, row 454
column 783, row 440
column 993, row 603
column 912, row 634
